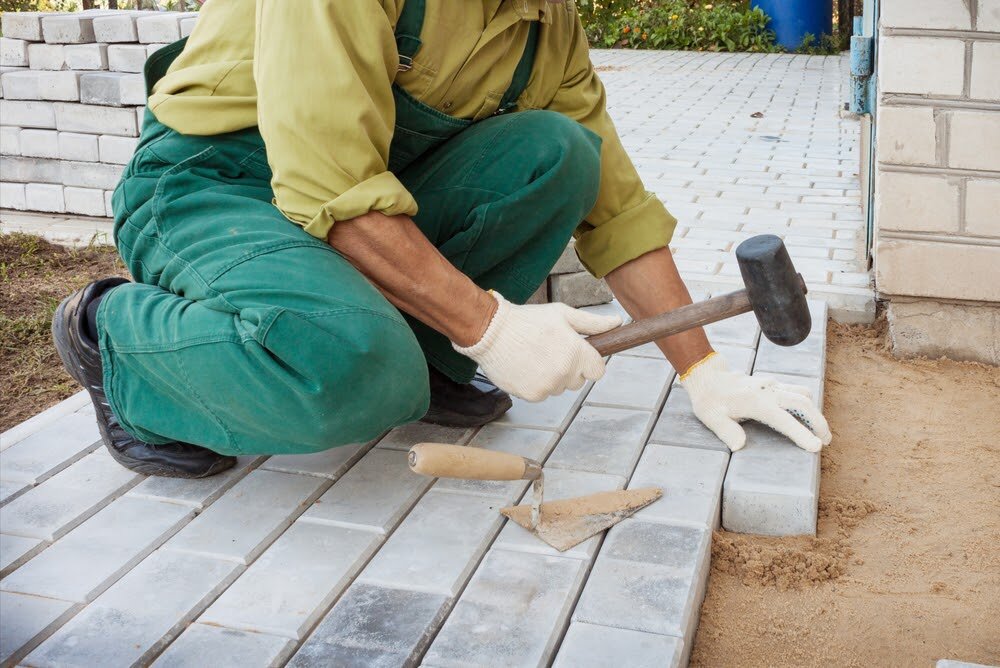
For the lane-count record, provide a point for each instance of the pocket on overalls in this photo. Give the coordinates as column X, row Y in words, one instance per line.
column 179, row 181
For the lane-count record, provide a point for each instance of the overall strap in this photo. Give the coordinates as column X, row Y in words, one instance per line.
column 157, row 64
column 523, row 72
column 408, row 28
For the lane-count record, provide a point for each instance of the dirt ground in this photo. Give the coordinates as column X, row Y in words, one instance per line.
column 34, row 277
column 905, row 568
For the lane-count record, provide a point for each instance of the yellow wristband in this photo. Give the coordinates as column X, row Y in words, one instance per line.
column 684, row 376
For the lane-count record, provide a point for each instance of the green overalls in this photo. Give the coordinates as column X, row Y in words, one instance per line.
column 246, row 335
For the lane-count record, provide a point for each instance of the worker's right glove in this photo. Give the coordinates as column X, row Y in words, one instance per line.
column 536, row 351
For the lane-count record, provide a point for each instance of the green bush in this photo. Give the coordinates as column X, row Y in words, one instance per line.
column 725, row 25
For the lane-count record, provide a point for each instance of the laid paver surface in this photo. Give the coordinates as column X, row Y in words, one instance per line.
column 346, row 558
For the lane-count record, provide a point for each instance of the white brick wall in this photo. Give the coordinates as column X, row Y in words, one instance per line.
column 974, row 140
column 922, row 65
column 985, row 71
column 981, row 207
column 922, row 202
column 907, row 136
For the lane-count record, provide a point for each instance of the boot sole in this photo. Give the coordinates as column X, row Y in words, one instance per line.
column 451, row 419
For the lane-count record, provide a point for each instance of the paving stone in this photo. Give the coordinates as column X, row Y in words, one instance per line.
column 771, row 487
column 677, row 425
column 405, row 437
column 602, row 440
column 531, row 443
column 26, row 621
column 947, row 663
column 69, row 497
column 140, row 614
column 814, row 385
column 8, row 490
column 249, row 516
column 559, row 484
column 227, row 648
column 15, row 550
column 41, row 85
column 44, row 197
column 89, row 119
column 632, row 382
column 194, row 492
column 86, row 56
column 73, row 28
column 438, row 544
column 511, row 614
column 806, row 359
column 691, row 480
column 116, row 27
column 47, row 57
column 28, row 114
column 90, row 175
column 607, row 647
column 373, row 495
column 84, row 201
column 739, row 359
column 23, row 25
column 294, row 581
column 79, row 147
column 554, row 413
column 50, row 449
column 580, row 289
column 126, row 57
column 159, row 27
column 374, row 627
column 648, row 577
column 31, row 425
column 100, row 550
column 12, row 196
column 568, row 262
column 102, row 88
column 742, row 330
column 10, row 141
column 187, row 25
column 330, row 463
column 13, row 52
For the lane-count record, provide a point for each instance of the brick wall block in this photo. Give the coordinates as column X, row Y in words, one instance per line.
column 153, row 48
column 126, row 57
column 982, row 199
column 28, row 113
column 84, row 201
column 935, row 14
column 159, row 27
column 92, row 119
column 40, row 143
column 133, row 89
column 917, row 202
column 31, row 170
column 941, row 69
column 80, row 147
column 23, row 25
column 580, row 289
column 568, row 262
column 13, row 52
column 906, row 136
column 187, row 25
column 42, row 85
column 117, row 150
column 90, row 175
column 86, row 56
column 140, row 115
column 988, row 16
column 75, row 28
column 916, row 268
column 117, row 27
column 43, row 56
column 974, row 141
column 985, row 71
column 12, row 196
column 102, row 88
column 10, row 141
column 44, row 197
column 108, row 209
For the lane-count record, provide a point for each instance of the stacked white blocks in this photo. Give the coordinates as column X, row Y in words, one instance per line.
column 72, row 103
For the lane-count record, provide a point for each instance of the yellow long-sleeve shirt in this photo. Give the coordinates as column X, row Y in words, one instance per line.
column 316, row 77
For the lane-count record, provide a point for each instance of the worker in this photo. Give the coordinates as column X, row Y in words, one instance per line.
column 334, row 216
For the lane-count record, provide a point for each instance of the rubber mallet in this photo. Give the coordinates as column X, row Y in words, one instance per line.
column 774, row 291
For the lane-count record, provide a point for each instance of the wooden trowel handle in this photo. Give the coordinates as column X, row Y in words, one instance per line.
column 439, row 460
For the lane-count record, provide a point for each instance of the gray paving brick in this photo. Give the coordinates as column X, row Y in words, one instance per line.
column 39, row 143
column 373, row 495
column 532, row 443
column 553, row 413
column 568, row 262
column 742, row 330
column 139, row 615
column 90, row 175
column 27, row 114
column 947, row 663
column 648, row 577
column 294, row 581
column 69, row 497
column 330, row 463
column 374, row 627
column 80, row 147
column 23, row 25
column 33, row 171
column 405, row 437
column 559, row 484
column 249, row 516
column 677, row 425
column 195, row 492
column 511, row 614
column 47, row 56
column 88, row 119
column 13, row 52
column 68, row 28
column 126, row 57
column 602, row 440
column 15, row 550
column 771, row 487
column 607, row 647
column 632, row 382
column 159, row 27
column 691, row 480
column 739, row 359
column 44, row 197
column 26, row 621
column 579, row 289
column 42, row 85
column 100, row 549
column 438, row 544
column 50, row 449
column 102, row 88
column 806, row 359
column 8, row 490
column 115, row 27
column 187, row 25
column 10, row 141
column 226, row 648
column 84, row 201
column 12, row 196
column 86, row 56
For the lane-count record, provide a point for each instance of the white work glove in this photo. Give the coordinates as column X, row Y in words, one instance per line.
column 536, row 351
column 722, row 399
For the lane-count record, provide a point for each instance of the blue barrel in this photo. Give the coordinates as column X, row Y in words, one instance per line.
column 792, row 19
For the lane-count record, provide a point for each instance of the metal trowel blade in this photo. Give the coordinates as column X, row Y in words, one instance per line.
column 568, row 522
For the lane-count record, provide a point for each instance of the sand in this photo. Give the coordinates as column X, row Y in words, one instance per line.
column 905, row 567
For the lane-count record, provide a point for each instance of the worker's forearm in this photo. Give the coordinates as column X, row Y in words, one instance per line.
column 650, row 285
column 395, row 255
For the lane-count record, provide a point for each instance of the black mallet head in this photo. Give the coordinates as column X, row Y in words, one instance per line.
column 777, row 292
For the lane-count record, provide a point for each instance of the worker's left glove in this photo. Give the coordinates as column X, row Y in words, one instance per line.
column 722, row 399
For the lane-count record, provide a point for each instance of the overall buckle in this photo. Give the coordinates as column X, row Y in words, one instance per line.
column 405, row 63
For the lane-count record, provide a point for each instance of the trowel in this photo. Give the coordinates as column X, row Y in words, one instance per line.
column 563, row 523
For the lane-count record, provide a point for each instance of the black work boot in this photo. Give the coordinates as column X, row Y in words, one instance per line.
column 464, row 404
column 82, row 358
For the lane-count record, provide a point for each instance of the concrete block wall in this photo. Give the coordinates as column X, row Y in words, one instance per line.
column 937, row 177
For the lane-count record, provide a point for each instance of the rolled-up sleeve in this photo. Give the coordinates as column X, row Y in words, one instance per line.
column 323, row 71
column 627, row 221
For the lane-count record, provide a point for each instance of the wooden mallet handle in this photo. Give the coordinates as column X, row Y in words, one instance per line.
column 439, row 460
